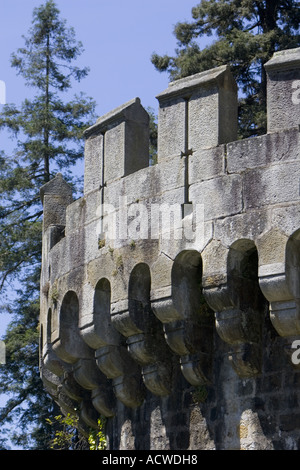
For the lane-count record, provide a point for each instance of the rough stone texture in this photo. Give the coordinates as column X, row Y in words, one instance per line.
column 283, row 90
column 197, row 112
column 118, row 145
column 170, row 294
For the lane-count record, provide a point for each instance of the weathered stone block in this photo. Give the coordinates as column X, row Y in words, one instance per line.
column 248, row 225
column 283, row 90
column 206, row 164
column 117, row 145
column 221, row 196
column 56, row 195
column 272, row 185
column 195, row 112
column 263, row 150
column 93, row 162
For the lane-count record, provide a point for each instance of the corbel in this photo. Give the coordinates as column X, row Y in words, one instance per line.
column 146, row 345
column 279, row 278
column 187, row 319
column 238, row 304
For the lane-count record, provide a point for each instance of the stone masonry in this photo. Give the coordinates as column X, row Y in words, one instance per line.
column 170, row 294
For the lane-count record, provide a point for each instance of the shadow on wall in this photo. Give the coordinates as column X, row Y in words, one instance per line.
column 210, row 416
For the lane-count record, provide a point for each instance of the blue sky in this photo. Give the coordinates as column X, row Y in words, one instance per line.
column 118, row 36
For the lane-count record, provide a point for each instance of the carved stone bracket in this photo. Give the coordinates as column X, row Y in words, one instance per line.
column 279, row 278
column 116, row 364
column 58, row 380
column 243, row 331
column 146, row 345
column 111, row 355
column 233, row 292
column 88, row 375
column 71, row 384
column 189, row 337
column 67, row 392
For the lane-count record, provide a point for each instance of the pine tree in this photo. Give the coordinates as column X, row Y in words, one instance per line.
column 48, row 133
column 245, row 35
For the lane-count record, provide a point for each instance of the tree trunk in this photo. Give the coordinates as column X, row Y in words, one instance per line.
column 46, row 128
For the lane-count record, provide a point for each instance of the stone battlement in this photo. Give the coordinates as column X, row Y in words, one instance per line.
column 167, row 282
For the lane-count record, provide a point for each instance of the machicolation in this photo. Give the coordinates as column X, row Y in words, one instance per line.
column 170, row 294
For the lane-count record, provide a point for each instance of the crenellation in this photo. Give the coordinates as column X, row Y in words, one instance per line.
column 283, row 90
column 170, row 293
column 56, row 196
column 117, row 145
column 206, row 104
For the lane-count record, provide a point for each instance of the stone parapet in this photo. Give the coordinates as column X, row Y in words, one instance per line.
column 197, row 112
column 170, row 293
column 116, row 145
column 283, row 90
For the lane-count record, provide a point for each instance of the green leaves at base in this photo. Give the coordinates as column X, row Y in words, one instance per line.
column 68, row 437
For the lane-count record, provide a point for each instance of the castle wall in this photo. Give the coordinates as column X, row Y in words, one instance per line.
column 170, row 293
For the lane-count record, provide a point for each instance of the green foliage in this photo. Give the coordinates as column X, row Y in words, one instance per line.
column 27, row 402
column 97, row 438
column 200, row 394
column 48, row 134
column 119, row 263
column 65, row 433
column 47, row 131
column 67, row 436
column 101, row 243
column 245, row 34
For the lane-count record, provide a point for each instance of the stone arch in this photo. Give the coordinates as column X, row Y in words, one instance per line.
column 293, row 264
column 69, row 313
column 146, row 342
column 98, row 330
column 285, row 300
column 69, row 346
column 240, row 322
column 41, row 344
column 192, row 336
column 45, row 335
column 139, row 296
column 186, row 278
column 102, row 297
column 102, row 314
column 285, row 309
column 140, row 282
column 242, row 272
